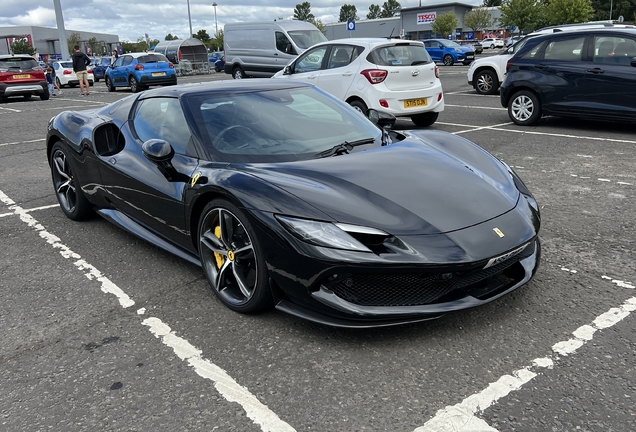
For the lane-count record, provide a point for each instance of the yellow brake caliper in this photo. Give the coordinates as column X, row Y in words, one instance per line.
column 219, row 258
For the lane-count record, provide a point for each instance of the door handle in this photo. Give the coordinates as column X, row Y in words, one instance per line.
column 596, row 71
column 311, row 77
column 347, row 74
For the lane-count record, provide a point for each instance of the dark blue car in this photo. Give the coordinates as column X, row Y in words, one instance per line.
column 100, row 66
column 449, row 52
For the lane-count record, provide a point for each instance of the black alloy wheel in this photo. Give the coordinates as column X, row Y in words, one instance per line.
column 134, row 85
column 448, row 60
column 486, row 82
column 232, row 259
column 109, row 84
column 68, row 191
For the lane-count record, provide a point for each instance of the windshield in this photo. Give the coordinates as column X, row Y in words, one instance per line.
column 17, row 64
column 517, row 46
column 306, row 38
column 450, row 43
column 276, row 125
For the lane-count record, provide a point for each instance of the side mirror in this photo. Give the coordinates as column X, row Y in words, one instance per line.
column 288, row 70
column 160, row 153
column 381, row 119
column 632, row 62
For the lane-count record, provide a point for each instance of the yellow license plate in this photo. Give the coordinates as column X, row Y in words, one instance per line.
column 21, row 76
column 158, row 74
column 412, row 103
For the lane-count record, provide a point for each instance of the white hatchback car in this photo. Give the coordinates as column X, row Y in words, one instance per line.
column 492, row 43
column 391, row 75
column 65, row 76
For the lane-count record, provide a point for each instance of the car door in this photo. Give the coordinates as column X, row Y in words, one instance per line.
column 308, row 66
column 557, row 72
column 610, row 80
column 435, row 50
column 117, row 73
column 150, row 194
column 341, row 70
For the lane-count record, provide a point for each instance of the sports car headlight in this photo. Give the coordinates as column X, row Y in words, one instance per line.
column 458, row 50
column 328, row 234
column 520, row 185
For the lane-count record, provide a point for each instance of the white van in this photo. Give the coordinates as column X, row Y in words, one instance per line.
column 261, row 49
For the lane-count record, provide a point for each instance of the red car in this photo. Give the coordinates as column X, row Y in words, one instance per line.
column 21, row 75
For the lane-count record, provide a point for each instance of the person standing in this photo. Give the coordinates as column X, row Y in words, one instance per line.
column 50, row 81
column 80, row 61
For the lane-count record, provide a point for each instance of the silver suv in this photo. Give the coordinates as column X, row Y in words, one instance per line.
column 487, row 74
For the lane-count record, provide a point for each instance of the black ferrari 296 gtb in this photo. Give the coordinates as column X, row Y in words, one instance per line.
column 288, row 197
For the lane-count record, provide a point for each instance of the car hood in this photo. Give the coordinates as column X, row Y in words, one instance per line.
column 428, row 184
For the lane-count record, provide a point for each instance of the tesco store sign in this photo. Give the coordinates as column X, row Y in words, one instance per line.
column 426, row 17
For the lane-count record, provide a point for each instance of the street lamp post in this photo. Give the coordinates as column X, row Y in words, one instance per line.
column 189, row 19
column 216, row 25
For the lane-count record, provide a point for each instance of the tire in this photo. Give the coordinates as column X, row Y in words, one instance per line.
column 486, row 82
column 492, row 46
column 524, row 108
column 238, row 73
column 134, row 85
column 96, row 79
column 71, row 85
column 28, row 96
column 43, row 96
column 68, row 191
column 232, row 258
column 360, row 106
column 59, row 84
column 109, row 84
column 217, row 69
column 424, row 119
column 448, row 60
column 90, row 83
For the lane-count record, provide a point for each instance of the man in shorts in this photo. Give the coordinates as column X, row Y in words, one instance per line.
column 80, row 61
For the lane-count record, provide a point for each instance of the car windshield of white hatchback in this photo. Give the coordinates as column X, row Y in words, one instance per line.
column 306, row 38
column 17, row 64
column 399, row 55
column 277, row 125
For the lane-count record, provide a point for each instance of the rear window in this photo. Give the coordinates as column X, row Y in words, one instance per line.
column 66, row 65
column 152, row 58
column 18, row 64
column 399, row 55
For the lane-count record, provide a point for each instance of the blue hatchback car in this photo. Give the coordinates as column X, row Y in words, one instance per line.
column 449, row 52
column 99, row 67
column 139, row 71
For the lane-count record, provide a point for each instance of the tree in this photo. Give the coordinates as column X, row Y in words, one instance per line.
column 170, row 37
column 491, row 3
column 303, row 12
column 127, row 46
column 569, row 11
column 22, row 46
column 523, row 14
column 218, row 39
column 74, row 39
column 202, row 35
column 445, row 24
column 141, row 44
column 319, row 25
column 348, row 12
column 479, row 19
column 95, row 45
column 390, row 8
column 153, row 43
column 374, row 12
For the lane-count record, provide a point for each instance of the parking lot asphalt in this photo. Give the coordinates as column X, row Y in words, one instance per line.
column 101, row 331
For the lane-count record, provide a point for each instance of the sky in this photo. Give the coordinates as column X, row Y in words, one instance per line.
column 131, row 19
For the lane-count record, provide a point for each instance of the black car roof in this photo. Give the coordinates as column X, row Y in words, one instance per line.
column 224, row 86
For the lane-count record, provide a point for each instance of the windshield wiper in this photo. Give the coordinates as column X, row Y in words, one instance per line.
column 344, row 147
column 419, row 62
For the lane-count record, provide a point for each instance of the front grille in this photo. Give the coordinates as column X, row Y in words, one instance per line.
column 414, row 289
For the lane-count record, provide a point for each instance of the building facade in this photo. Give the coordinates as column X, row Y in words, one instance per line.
column 47, row 42
column 415, row 23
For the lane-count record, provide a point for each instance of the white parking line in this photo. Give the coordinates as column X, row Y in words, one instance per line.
column 30, row 210
column 21, row 142
column 476, row 107
column 9, row 109
column 461, row 417
column 225, row 385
